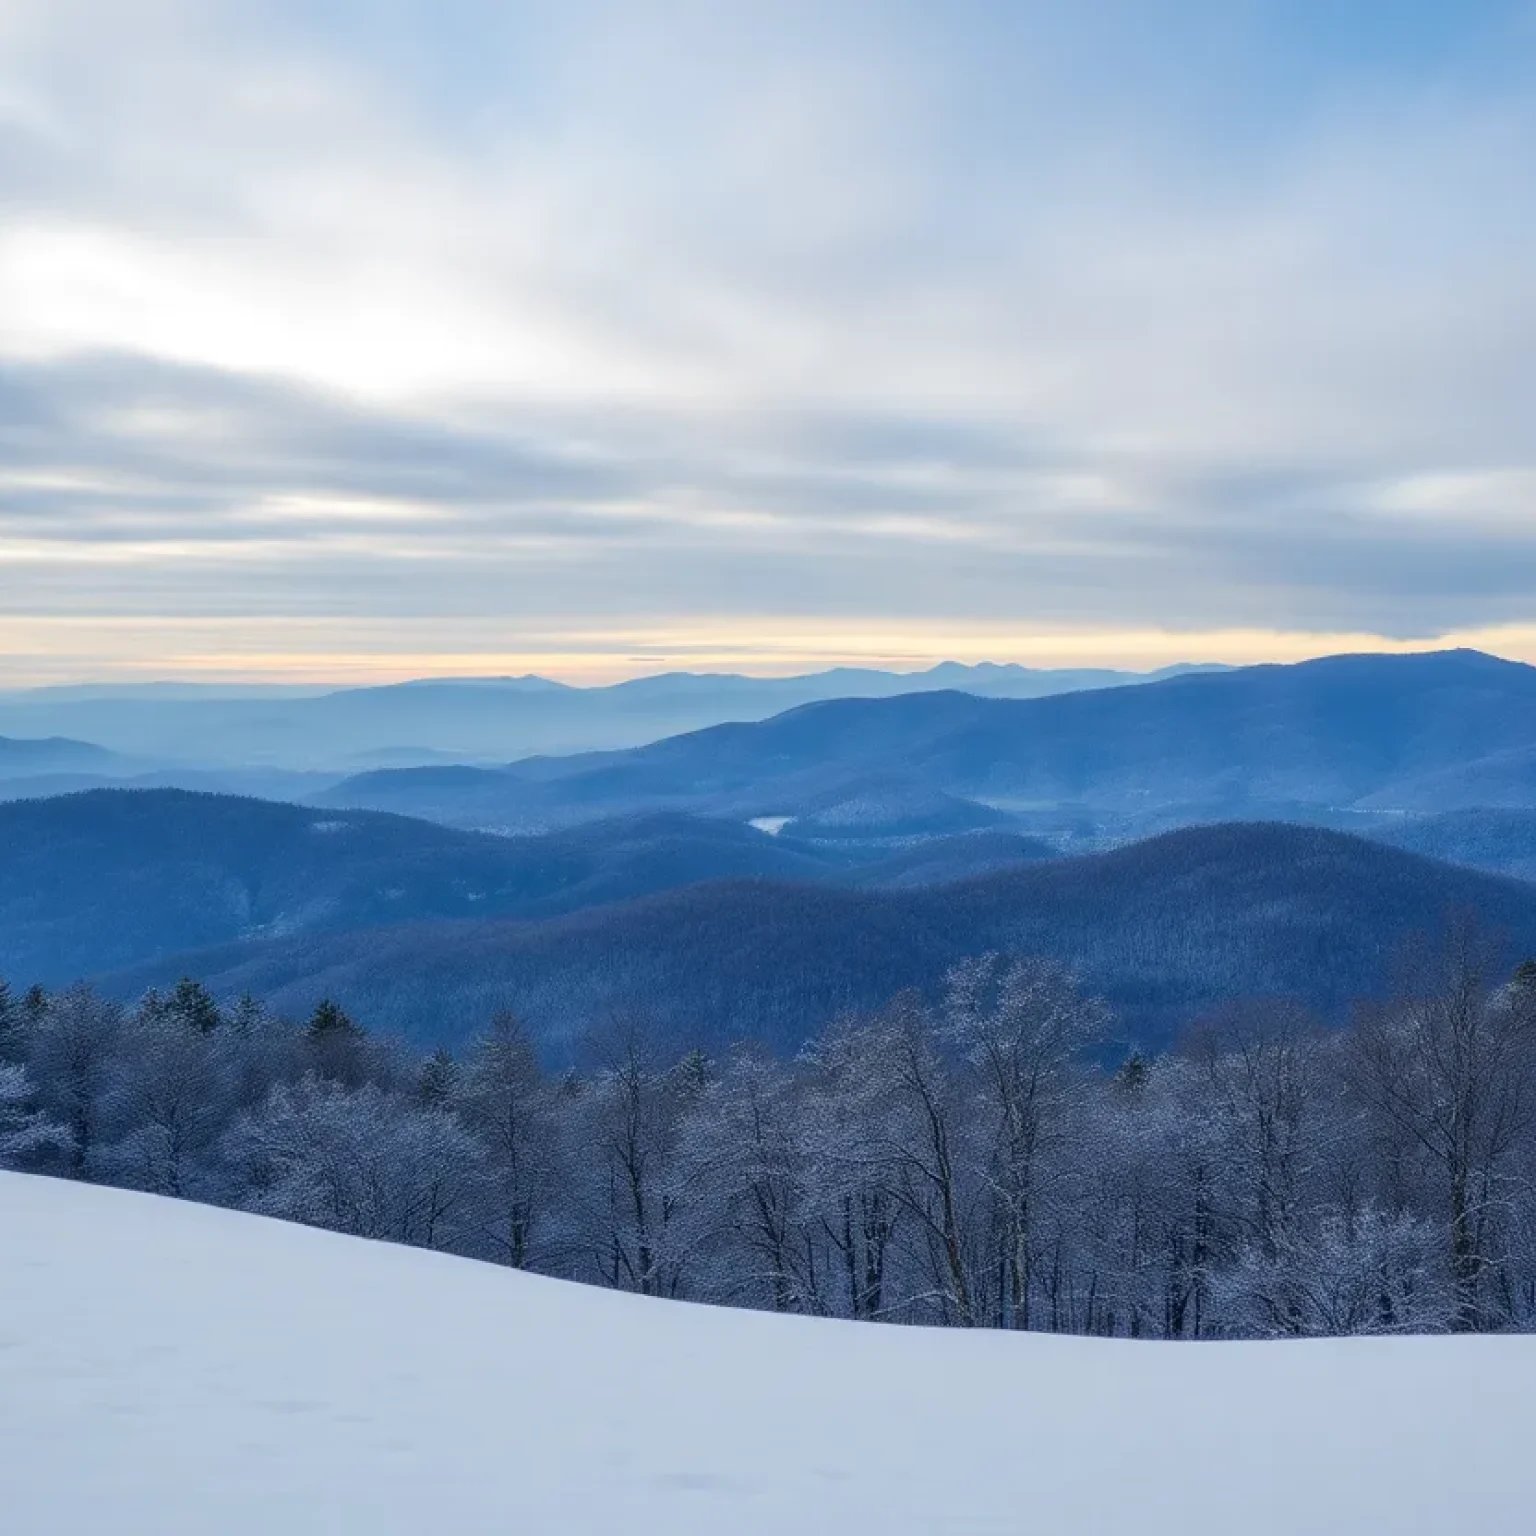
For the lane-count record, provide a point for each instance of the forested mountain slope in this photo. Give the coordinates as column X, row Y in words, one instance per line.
column 109, row 878
column 1164, row 928
column 1505, row 779
column 945, row 860
column 1501, row 840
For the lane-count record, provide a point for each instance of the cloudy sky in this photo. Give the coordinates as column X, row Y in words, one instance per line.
column 347, row 338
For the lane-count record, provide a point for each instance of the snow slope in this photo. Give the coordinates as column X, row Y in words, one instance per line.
column 170, row 1370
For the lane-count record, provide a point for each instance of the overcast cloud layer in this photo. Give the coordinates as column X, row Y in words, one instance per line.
column 340, row 338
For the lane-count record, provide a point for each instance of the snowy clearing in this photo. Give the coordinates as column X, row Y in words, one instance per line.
column 174, row 1370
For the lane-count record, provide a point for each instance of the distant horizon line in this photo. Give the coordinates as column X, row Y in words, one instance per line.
column 203, row 682
column 327, row 654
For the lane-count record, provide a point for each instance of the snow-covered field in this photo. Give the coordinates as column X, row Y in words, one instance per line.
column 170, row 1370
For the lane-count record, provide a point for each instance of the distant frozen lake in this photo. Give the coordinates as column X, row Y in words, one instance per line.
column 772, row 825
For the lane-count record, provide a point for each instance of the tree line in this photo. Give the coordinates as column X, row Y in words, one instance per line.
column 970, row 1160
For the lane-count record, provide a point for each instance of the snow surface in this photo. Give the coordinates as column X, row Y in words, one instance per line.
column 171, row 1370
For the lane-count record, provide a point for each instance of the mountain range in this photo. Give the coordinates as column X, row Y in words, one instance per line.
column 32, row 759
column 467, row 719
column 1360, row 736
column 1502, row 841
column 1165, row 929
column 755, row 878
column 108, row 878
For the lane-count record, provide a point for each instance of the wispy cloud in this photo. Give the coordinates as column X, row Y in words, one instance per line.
column 537, row 321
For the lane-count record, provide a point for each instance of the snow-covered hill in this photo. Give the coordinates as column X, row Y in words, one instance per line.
column 171, row 1370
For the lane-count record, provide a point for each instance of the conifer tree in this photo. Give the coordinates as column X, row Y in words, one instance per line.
column 193, row 1005
column 329, row 1021
column 335, row 1043
column 1132, row 1074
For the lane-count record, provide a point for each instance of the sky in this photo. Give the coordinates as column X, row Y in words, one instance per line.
column 343, row 340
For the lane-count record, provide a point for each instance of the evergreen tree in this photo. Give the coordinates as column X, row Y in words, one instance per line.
column 193, row 1005
column 1132, row 1075
column 330, row 1022
column 334, row 1044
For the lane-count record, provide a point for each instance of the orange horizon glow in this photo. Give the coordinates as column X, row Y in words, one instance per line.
column 315, row 653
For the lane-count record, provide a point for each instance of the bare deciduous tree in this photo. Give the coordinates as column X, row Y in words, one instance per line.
column 1450, row 1063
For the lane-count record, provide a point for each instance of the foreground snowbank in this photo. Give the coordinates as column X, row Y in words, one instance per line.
column 170, row 1370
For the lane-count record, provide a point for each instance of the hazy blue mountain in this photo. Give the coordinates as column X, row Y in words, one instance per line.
column 465, row 719
column 946, row 860
column 264, row 783
column 1165, row 928
column 823, row 803
column 95, row 881
column 808, row 762
column 30, row 758
column 887, row 807
column 129, row 874
column 1331, row 731
column 1506, row 778
column 1500, row 840
column 98, row 880
column 1311, row 740
column 403, row 757
column 62, row 693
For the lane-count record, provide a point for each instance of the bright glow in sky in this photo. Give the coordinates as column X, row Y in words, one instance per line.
column 348, row 340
